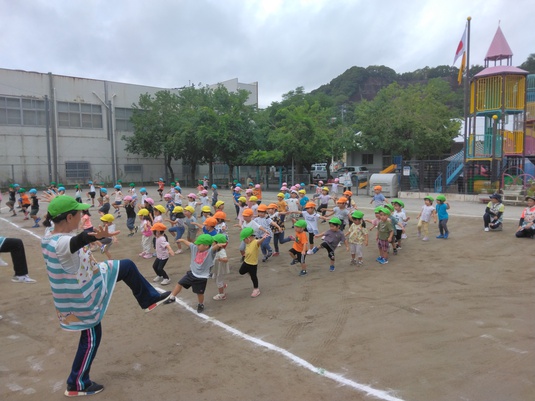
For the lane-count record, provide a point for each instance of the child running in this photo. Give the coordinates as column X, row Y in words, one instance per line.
column 221, row 267
column 300, row 246
column 385, row 233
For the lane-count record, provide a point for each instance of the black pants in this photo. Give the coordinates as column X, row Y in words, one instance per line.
column 158, row 267
column 251, row 269
column 15, row 246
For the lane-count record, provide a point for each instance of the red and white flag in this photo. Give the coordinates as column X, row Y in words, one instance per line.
column 462, row 46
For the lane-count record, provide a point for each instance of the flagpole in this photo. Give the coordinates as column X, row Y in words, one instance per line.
column 466, row 106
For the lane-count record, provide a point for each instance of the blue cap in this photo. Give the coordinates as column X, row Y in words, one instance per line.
column 90, row 182
column 142, row 190
column 214, row 186
column 104, row 190
column 61, row 189
column 117, row 187
column 33, row 191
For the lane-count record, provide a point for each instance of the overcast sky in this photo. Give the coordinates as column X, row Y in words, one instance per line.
column 280, row 44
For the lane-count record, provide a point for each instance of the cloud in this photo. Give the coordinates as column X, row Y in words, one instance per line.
column 280, row 44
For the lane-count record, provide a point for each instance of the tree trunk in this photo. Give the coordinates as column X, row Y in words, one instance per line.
column 169, row 168
column 193, row 167
column 211, row 172
column 230, row 174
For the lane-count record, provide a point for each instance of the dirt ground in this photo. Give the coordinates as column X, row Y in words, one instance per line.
column 444, row 320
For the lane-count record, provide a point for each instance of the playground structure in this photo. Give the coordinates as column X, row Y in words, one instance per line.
column 499, row 148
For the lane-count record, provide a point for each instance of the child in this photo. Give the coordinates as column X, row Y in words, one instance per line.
column 215, row 195
column 311, row 218
column 132, row 191
column 161, row 187
column 323, row 199
column 394, row 221
column 282, row 206
column 263, row 220
column 300, row 246
column 35, row 207
column 357, row 236
column 107, row 219
column 424, row 216
column 144, row 195
column 85, row 222
column 177, row 199
column 179, row 226
column 159, row 211
column 303, row 199
column 526, row 224
column 442, row 213
column 250, row 261
column 24, row 202
column 332, row 237
column 257, row 191
column 385, row 233
column 493, row 217
column 12, row 199
column 340, row 211
column 192, row 201
column 118, row 200
column 105, row 201
column 293, row 206
column 278, row 232
column 236, row 194
column 249, row 222
column 189, row 222
column 221, row 227
column 202, row 258
column 163, row 250
column 219, row 206
column 402, row 219
column 334, row 188
column 204, row 200
column 378, row 199
column 253, row 204
column 206, row 212
column 130, row 209
column 242, row 205
column 78, row 193
column 221, row 267
column 91, row 193
column 146, row 233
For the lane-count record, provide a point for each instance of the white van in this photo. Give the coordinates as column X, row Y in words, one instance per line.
column 319, row 172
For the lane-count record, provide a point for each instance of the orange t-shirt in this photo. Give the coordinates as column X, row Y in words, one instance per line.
column 25, row 200
column 258, row 193
column 300, row 240
column 282, row 206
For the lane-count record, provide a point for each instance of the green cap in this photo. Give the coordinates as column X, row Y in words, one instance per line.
column 377, row 209
column 389, row 207
column 300, row 224
column 385, row 211
column 357, row 214
column 335, row 221
column 441, row 198
column 62, row 204
column 204, row 239
column 429, row 198
column 399, row 202
column 220, row 238
column 246, row 233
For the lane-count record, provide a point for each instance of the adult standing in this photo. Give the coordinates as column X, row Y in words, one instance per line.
column 82, row 288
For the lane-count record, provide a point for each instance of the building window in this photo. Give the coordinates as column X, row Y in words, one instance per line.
column 79, row 115
column 22, row 111
column 122, row 119
column 367, row 158
column 133, row 168
column 77, row 170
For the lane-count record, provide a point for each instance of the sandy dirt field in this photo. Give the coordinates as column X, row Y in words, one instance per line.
column 444, row 320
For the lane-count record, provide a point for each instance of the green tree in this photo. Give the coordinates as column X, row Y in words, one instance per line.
column 412, row 121
column 529, row 64
column 155, row 128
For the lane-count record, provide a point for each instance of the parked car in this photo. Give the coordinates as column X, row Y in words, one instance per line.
column 319, row 172
column 358, row 173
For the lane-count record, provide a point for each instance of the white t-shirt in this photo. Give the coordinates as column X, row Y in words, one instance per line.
column 312, row 221
column 426, row 213
column 293, row 204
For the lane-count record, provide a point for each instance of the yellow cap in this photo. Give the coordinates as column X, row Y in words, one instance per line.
column 206, row 209
column 143, row 212
column 190, row 209
column 253, row 198
column 178, row 209
column 108, row 218
column 160, row 208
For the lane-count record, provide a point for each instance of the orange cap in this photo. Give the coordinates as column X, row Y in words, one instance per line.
column 158, row 227
column 342, row 200
column 272, row 206
column 247, row 212
column 220, row 215
column 262, row 208
column 210, row 221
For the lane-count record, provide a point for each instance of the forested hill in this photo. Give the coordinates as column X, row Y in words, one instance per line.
column 359, row 83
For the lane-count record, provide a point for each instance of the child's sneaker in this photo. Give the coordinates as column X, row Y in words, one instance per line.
column 157, row 279
column 440, row 236
column 353, row 262
column 23, row 279
column 404, row 236
column 303, row 273
column 104, row 248
column 255, row 293
column 294, row 261
column 162, row 299
column 331, row 268
column 379, row 259
column 395, row 251
column 3, row 262
column 384, row 261
column 360, row 262
column 446, row 235
column 425, row 239
column 220, row 297
column 200, row 308
column 275, row 254
column 165, row 281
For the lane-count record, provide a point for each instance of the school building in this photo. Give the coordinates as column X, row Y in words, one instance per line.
column 69, row 129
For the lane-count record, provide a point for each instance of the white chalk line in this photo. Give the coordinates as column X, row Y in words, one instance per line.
column 381, row 394
column 370, row 391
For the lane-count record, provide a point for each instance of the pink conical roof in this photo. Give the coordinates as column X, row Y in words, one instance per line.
column 499, row 48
